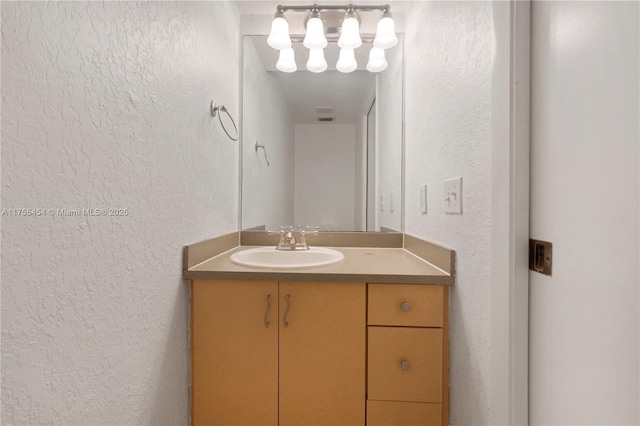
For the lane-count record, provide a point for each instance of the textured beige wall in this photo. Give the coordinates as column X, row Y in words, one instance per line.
column 448, row 134
column 105, row 105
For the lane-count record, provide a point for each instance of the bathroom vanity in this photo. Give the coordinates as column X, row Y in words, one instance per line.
column 361, row 342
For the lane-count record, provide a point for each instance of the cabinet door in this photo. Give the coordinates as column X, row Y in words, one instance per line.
column 234, row 355
column 322, row 353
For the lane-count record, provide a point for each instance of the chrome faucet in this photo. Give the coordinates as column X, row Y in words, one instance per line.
column 288, row 239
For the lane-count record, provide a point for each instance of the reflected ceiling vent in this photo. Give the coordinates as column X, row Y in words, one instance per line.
column 324, row 110
column 325, row 119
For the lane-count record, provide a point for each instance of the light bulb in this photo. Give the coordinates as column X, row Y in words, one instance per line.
column 316, row 62
column 346, row 61
column 350, row 33
column 314, row 38
column 279, row 35
column 385, row 33
column 286, row 61
column 377, row 62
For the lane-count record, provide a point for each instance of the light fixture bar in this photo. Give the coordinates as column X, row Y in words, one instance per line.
column 326, row 8
column 333, row 37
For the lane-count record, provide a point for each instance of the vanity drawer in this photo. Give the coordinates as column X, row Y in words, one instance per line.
column 385, row 413
column 405, row 364
column 405, row 305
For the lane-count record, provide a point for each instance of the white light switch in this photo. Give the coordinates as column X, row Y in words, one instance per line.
column 453, row 196
column 382, row 203
column 391, row 197
column 423, row 198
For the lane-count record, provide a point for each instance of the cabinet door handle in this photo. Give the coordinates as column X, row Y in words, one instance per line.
column 266, row 313
column 286, row 311
column 405, row 306
column 405, row 365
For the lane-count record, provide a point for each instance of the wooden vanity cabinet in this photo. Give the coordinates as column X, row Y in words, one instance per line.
column 408, row 355
column 269, row 353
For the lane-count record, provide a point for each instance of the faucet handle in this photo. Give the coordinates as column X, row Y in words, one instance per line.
column 309, row 230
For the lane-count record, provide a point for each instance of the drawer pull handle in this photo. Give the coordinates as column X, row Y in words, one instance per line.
column 405, row 365
column 405, row 306
column 286, row 311
column 266, row 313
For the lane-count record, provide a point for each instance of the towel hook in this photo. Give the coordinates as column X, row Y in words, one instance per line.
column 214, row 111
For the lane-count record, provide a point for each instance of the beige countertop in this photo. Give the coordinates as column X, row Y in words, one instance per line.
column 360, row 264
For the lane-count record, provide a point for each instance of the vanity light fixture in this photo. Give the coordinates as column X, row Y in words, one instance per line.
column 315, row 38
column 377, row 61
column 279, row 36
column 346, row 61
column 350, row 34
column 286, row 61
column 386, row 30
column 316, row 62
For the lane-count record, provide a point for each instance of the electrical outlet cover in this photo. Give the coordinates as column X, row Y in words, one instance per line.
column 453, row 196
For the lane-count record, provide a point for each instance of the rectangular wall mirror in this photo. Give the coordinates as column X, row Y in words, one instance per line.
column 321, row 149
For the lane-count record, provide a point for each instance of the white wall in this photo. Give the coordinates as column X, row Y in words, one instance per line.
column 584, row 322
column 268, row 191
column 105, row 104
column 324, row 176
column 360, row 175
column 448, row 134
column 389, row 104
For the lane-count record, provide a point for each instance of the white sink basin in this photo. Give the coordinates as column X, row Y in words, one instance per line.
column 269, row 257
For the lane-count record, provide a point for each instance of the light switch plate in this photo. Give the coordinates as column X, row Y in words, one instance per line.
column 453, row 196
column 423, row 198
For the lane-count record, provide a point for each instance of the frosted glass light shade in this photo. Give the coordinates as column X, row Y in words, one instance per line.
column 279, row 35
column 346, row 61
column 286, row 61
column 377, row 61
column 314, row 38
column 385, row 34
column 316, row 62
column 350, row 35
